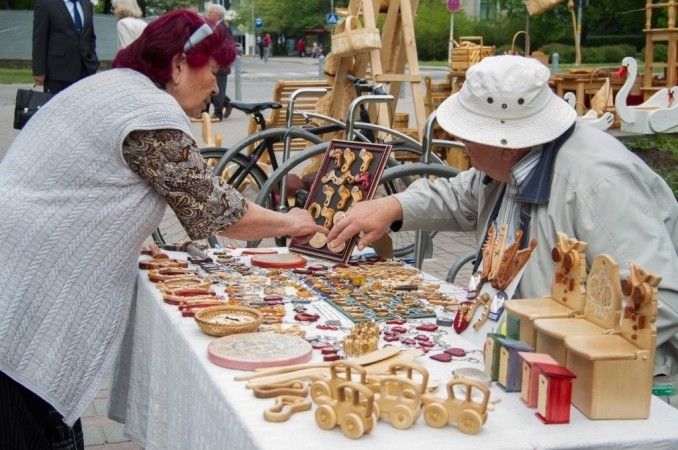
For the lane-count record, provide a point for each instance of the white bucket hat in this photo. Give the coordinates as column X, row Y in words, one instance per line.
column 506, row 102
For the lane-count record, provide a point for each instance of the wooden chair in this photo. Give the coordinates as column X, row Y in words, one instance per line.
column 567, row 292
column 614, row 371
column 601, row 311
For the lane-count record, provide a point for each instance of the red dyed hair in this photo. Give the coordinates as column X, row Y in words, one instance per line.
column 152, row 53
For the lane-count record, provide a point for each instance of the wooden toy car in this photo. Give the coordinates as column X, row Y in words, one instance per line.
column 467, row 414
column 351, row 407
column 340, row 371
column 399, row 401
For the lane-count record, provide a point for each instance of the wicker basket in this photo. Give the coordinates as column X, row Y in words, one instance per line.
column 207, row 320
column 540, row 6
column 469, row 51
column 350, row 38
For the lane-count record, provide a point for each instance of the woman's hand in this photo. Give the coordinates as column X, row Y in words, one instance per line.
column 301, row 226
column 372, row 219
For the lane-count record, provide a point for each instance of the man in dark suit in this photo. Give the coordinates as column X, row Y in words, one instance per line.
column 64, row 44
column 216, row 14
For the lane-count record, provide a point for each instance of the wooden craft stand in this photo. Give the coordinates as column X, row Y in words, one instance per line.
column 669, row 35
column 567, row 292
column 614, row 371
column 386, row 65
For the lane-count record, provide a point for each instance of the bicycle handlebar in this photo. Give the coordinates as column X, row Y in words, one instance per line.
column 362, row 85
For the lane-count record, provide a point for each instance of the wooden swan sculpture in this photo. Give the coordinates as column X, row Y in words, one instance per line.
column 658, row 114
column 591, row 118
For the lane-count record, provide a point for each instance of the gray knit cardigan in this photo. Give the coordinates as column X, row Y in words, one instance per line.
column 73, row 217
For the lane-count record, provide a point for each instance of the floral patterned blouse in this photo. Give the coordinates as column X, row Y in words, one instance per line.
column 170, row 162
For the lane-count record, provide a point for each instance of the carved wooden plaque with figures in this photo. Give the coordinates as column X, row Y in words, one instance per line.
column 350, row 173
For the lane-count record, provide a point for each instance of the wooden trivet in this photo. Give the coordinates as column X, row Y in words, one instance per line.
column 249, row 351
column 284, row 261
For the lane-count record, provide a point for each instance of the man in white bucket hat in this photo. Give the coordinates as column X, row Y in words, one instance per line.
column 534, row 170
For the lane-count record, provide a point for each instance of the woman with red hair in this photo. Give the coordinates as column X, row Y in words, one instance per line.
column 81, row 187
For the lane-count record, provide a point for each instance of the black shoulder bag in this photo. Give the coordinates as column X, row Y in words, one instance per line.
column 28, row 102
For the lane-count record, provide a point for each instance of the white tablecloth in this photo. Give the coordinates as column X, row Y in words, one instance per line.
column 171, row 397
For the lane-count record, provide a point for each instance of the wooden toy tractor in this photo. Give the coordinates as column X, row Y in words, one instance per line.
column 467, row 414
column 340, row 371
column 350, row 407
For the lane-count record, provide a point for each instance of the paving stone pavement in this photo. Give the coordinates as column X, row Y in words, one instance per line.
column 102, row 433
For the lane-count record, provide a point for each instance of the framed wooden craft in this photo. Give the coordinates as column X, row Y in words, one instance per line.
column 350, row 173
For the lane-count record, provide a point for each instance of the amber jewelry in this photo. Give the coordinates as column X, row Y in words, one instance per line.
column 314, row 210
column 329, row 192
column 365, row 158
column 336, row 154
column 328, row 214
column 349, row 157
column 356, row 194
column 344, row 194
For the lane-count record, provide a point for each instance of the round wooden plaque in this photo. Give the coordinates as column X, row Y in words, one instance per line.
column 284, row 261
column 249, row 351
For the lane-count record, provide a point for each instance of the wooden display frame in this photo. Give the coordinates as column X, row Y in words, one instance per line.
column 330, row 180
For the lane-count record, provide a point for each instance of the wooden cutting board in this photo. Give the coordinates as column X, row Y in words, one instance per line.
column 284, row 261
column 249, row 351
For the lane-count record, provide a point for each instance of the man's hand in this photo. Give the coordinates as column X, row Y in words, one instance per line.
column 39, row 79
column 371, row 218
column 300, row 225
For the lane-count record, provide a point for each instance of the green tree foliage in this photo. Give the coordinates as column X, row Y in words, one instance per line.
column 285, row 17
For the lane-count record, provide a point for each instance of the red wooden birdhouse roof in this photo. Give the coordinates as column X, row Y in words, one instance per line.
column 555, row 370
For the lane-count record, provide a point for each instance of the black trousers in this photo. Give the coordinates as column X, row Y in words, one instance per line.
column 218, row 100
column 27, row 422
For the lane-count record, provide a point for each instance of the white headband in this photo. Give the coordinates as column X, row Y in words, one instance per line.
column 198, row 36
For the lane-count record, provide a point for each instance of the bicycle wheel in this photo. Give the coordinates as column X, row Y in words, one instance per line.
column 397, row 179
column 171, row 230
column 272, row 135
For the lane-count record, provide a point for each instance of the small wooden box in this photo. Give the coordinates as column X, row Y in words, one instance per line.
column 530, row 377
column 510, row 364
column 349, row 173
column 555, row 393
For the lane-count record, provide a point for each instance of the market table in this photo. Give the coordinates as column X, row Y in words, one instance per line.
column 171, row 397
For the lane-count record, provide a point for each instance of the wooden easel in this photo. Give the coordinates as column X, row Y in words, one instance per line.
column 386, row 65
column 669, row 35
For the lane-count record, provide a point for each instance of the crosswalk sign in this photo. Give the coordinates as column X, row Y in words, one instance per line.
column 258, row 22
column 332, row 18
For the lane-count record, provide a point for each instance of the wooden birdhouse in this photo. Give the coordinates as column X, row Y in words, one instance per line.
column 510, row 363
column 567, row 291
column 530, row 377
column 491, row 355
column 601, row 311
column 554, row 393
column 614, row 371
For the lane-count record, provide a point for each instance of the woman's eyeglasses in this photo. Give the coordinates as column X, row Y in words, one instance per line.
column 198, row 36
